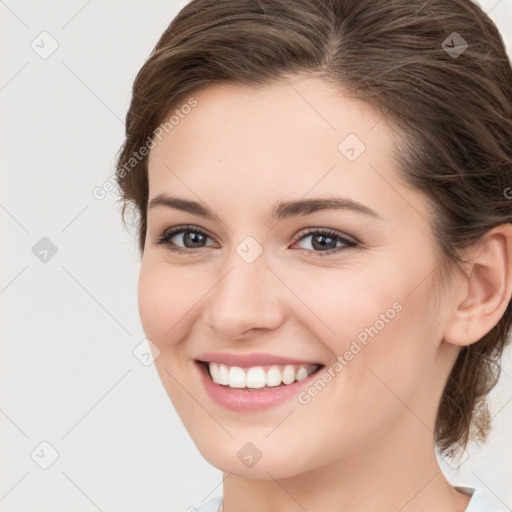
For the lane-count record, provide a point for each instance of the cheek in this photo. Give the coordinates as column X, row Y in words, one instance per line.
column 341, row 305
column 381, row 332
column 154, row 300
column 166, row 298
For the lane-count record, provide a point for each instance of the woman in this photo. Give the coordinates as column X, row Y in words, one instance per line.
column 321, row 188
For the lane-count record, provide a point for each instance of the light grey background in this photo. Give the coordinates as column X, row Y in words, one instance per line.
column 69, row 326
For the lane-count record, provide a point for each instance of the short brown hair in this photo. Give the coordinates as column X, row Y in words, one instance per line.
column 407, row 59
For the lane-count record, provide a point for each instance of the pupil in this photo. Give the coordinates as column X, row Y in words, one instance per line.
column 323, row 243
column 195, row 238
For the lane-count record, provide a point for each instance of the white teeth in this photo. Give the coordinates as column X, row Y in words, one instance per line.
column 302, row 373
column 223, row 375
column 214, row 372
column 288, row 374
column 237, row 377
column 255, row 377
column 273, row 376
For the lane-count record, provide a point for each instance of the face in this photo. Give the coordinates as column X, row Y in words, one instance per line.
column 286, row 259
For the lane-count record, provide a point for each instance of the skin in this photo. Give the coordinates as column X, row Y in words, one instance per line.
column 365, row 442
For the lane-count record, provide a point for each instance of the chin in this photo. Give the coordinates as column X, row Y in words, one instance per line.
column 258, row 460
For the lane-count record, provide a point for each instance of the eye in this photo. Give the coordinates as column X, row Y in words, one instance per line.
column 325, row 241
column 322, row 242
column 189, row 236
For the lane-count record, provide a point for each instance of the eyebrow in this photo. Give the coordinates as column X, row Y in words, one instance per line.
column 281, row 209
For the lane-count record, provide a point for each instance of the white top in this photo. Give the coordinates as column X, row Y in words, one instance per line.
column 478, row 503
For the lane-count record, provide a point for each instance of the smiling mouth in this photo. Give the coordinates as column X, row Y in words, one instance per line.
column 258, row 378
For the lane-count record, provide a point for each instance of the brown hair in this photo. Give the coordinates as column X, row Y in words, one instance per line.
column 403, row 57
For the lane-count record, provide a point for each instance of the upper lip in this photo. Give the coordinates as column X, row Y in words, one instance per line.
column 247, row 360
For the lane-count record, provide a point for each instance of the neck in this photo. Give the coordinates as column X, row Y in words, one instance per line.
column 399, row 471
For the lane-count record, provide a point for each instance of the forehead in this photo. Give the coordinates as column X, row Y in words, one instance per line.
column 298, row 136
column 272, row 118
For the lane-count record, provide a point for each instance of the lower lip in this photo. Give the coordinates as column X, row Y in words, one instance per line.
column 245, row 400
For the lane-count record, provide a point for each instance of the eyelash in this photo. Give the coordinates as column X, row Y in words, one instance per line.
column 165, row 238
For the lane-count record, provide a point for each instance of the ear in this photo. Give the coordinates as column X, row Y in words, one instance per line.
column 481, row 300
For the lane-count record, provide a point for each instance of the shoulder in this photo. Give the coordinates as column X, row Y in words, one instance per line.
column 210, row 506
column 479, row 501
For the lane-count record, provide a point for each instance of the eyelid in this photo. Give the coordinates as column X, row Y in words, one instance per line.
column 333, row 232
column 175, row 230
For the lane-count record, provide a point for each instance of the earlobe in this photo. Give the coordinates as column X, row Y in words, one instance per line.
column 485, row 293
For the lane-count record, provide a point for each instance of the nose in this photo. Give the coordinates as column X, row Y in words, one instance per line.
column 246, row 299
